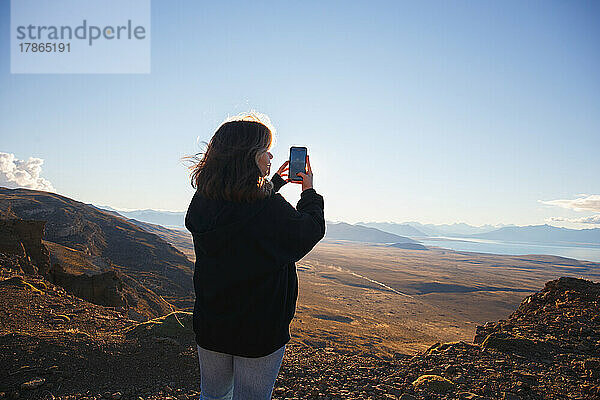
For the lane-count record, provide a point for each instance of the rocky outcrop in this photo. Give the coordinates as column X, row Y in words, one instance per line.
column 564, row 316
column 113, row 289
column 104, row 288
column 22, row 251
column 23, row 239
column 549, row 348
column 86, row 269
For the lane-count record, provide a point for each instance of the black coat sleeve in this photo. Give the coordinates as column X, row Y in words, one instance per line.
column 298, row 230
column 278, row 182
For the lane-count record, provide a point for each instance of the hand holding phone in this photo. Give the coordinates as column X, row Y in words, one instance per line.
column 307, row 178
column 297, row 169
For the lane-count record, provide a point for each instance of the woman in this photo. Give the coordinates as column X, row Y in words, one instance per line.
column 247, row 239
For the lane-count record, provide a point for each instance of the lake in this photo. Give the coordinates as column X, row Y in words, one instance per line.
column 578, row 252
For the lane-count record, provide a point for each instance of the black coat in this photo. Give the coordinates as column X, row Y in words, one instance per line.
column 245, row 274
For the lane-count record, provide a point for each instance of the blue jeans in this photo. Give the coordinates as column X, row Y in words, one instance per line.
column 228, row 377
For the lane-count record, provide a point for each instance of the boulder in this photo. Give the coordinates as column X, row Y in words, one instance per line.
column 507, row 343
column 104, row 288
column 433, row 383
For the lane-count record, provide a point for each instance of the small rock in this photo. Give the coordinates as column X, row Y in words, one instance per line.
column 395, row 391
column 61, row 318
column 167, row 340
column 487, row 389
column 519, row 386
column 450, row 369
column 591, row 364
column 407, row 396
column 468, row 396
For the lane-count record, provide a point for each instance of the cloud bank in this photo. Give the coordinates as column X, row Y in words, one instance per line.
column 583, row 203
column 593, row 219
column 15, row 173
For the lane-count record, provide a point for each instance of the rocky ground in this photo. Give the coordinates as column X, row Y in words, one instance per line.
column 56, row 346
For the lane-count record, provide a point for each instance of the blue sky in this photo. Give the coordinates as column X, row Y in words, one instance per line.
column 437, row 112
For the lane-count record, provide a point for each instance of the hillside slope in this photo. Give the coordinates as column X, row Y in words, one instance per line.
column 22, row 250
column 126, row 247
column 397, row 229
column 359, row 233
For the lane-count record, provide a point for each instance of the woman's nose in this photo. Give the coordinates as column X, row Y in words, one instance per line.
column 270, row 155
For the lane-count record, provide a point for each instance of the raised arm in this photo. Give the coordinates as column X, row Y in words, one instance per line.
column 297, row 230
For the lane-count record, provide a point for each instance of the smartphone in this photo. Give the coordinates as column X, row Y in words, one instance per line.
column 297, row 162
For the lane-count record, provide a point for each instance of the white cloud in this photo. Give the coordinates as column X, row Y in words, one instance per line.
column 15, row 173
column 593, row 219
column 583, row 203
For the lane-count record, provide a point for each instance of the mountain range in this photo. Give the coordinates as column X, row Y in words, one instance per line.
column 547, row 234
column 416, row 229
column 147, row 220
column 406, row 232
column 543, row 234
column 169, row 219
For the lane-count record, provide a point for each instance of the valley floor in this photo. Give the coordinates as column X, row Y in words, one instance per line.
column 376, row 299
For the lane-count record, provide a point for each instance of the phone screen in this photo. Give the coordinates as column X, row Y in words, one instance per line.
column 297, row 162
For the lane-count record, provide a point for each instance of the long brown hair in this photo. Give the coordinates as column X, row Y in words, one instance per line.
column 228, row 169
